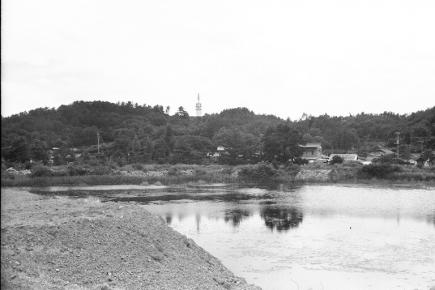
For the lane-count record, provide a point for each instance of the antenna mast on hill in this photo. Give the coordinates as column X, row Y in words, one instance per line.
column 198, row 107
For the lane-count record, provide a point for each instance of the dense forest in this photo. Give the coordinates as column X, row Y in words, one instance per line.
column 129, row 133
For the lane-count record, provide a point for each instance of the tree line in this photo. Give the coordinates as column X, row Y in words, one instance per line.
column 150, row 134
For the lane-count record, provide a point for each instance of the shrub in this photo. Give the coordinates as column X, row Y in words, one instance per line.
column 260, row 173
column 74, row 170
column 172, row 171
column 137, row 166
column 378, row 170
column 390, row 159
column 6, row 175
column 300, row 161
column 200, row 172
column 28, row 165
column 100, row 170
column 227, row 170
column 336, row 160
column 352, row 163
column 41, row 171
column 59, row 172
column 293, row 169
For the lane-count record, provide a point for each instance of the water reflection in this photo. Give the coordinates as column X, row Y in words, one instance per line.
column 275, row 217
column 281, row 218
column 431, row 219
column 235, row 216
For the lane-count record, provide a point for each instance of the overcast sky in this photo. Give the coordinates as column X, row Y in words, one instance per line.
column 276, row 57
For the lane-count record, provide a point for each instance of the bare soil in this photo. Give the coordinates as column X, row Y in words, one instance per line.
column 65, row 243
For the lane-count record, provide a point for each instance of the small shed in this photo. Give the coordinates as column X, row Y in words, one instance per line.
column 311, row 151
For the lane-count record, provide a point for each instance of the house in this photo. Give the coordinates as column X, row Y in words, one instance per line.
column 426, row 161
column 429, row 163
column 311, row 151
column 213, row 155
column 378, row 152
column 220, row 150
column 345, row 157
column 12, row 170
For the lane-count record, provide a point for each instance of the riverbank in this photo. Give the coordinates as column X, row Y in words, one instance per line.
column 258, row 174
column 64, row 243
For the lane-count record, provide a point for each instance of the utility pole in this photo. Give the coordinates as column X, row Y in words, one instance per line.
column 398, row 143
column 421, row 140
column 98, row 142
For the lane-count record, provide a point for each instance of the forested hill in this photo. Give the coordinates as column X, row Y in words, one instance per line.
column 149, row 134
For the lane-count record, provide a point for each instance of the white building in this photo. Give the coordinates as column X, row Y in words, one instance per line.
column 346, row 157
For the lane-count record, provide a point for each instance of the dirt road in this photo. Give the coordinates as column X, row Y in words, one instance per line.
column 64, row 243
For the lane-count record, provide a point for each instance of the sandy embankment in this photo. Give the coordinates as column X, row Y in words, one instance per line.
column 63, row 243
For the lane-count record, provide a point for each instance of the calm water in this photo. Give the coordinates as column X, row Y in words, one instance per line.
column 311, row 237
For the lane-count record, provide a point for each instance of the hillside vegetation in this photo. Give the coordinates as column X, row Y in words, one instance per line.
column 131, row 133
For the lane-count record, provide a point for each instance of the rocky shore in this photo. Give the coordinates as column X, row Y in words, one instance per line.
column 64, row 243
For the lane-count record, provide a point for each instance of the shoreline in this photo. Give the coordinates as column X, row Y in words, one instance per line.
column 114, row 181
column 158, row 186
column 372, row 182
column 52, row 243
column 256, row 174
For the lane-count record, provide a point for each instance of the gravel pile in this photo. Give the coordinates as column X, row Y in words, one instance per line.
column 64, row 243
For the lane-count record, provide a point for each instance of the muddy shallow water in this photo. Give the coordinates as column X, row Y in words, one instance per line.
column 309, row 237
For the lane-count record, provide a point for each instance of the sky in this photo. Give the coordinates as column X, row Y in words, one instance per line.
column 280, row 57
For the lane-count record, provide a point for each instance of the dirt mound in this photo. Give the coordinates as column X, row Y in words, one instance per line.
column 63, row 243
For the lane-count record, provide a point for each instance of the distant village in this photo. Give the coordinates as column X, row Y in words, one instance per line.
column 147, row 135
column 311, row 153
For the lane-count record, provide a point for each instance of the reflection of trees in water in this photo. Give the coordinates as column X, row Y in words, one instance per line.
column 431, row 219
column 281, row 218
column 170, row 215
column 235, row 216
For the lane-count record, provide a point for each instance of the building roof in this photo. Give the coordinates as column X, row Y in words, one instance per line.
column 312, row 145
column 220, row 148
column 345, row 157
column 383, row 150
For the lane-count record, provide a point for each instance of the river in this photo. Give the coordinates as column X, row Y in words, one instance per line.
column 307, row 237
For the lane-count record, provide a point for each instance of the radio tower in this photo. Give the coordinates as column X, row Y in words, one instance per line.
column 198, row 107
column 398, row 144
